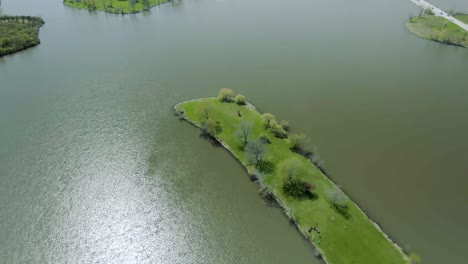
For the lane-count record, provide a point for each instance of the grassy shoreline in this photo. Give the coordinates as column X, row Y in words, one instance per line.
column 115, row 6
column 18, row 33
column 438, row 29
column 342, row 240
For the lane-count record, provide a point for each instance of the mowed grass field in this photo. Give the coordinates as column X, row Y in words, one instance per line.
column 114, row 6
column 439, row 29
column 351, row 240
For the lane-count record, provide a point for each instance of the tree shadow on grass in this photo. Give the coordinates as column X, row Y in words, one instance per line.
column 343, row 211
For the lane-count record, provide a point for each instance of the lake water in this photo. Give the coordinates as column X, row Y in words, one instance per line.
column 95, row 167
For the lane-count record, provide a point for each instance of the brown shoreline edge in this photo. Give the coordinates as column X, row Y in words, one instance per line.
column 319, row 252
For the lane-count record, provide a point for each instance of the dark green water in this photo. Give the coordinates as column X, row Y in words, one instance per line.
column 95, row 168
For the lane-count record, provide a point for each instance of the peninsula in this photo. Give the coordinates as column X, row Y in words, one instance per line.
column 18, row 33
column 284, row 166
column 115, row 6
column 439, row 26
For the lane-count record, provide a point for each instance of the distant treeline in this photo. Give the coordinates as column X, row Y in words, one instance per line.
column 115, row 6
column 18, row 33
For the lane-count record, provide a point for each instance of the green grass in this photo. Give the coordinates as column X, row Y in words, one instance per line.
column 360, row 243
column 439, row 29
column 18, row 33
column 115, row 6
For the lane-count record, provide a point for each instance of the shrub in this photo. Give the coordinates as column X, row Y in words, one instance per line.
column 300, row 144
column 277, row 130
column 226, row 95
column 240, row 99
column 265, row 166
column 268, row 118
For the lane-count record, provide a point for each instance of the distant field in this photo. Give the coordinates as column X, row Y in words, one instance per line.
column 115, row 6
column 439, row 29
column 18, row 33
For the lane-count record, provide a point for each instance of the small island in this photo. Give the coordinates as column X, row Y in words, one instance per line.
column 18, row 33
column 431, row 27
column 115, row 6
column 289, row 175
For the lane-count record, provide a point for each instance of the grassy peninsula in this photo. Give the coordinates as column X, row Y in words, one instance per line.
column 431, row 27
column 115, row 6
column 283, row 165
column 18, row 33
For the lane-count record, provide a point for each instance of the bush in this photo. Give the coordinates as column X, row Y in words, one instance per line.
column 268, row 118
column 300, row 144
column 240, row 99
column 226, row 95
column 265, row 166
column 277, row 130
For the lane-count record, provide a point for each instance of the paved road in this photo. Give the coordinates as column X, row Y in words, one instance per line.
column 439, row 12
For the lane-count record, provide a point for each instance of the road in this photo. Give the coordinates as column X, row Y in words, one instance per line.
column 439, row 12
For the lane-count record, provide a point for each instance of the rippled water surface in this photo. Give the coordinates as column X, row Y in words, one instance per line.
column 95, row 168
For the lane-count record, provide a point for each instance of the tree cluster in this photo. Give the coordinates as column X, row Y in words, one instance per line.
column 226, row 95
column 18, row 33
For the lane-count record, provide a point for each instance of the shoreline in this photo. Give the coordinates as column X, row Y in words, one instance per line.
column 445, row 34
column 285, row 209
column 35, row 23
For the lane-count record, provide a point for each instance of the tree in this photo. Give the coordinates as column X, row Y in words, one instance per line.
column 205, row 112
column 146, row 4
column 244, row 131
column 255, row 151
column 225, row 95
column 293, row 185
column 268, row 117
column 240, row 99
column 292, row 168
column 211, row 127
